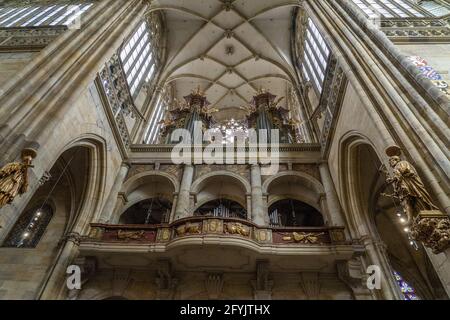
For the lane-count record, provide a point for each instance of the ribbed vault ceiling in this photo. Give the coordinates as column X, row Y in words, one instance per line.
column 228, row 48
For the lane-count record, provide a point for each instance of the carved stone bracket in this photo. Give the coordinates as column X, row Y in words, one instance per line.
column 262, row 286
column 432, row 228
column 214, row 286
column 165, row 281
column 350, row 272
column 309, row 282
column 88, row 266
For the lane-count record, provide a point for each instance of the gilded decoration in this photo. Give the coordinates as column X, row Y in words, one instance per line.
column 213, row 226
column 305, row 238
column 130, row 235
column 237, row 229
column 164, row 234
column 210, row 227
column 189, row 229
column 426, row 222
column 14, row 177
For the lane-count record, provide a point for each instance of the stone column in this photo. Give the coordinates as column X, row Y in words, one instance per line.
column 110, row 204
column 183, row 203
column 259, row 215
column 174, row 203
column 249, row 206
column 332, row 201
column 378, row 256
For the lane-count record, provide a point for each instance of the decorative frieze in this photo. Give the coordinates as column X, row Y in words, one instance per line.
column 29, row 39
column 331, row 101
column 241, row 170
column 224, row 227
column 417, row 29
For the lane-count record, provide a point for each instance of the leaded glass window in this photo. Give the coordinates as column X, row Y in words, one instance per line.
column 30, row 227
column 316, row 55
column 138, row 58
column 41, row 15
column 154, row 128
column 408, row 292
column 401, row 8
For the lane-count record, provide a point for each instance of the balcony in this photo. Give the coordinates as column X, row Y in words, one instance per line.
column 205, row 242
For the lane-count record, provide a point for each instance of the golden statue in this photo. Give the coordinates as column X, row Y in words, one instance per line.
column 427, row 223
column 408, row 187
column 14, row 177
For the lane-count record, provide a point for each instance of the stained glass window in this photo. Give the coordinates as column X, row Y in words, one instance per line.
column 429, row 72
column 29, row 228
column 408, row 292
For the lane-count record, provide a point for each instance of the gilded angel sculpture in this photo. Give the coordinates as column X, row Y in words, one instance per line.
column 14, row 177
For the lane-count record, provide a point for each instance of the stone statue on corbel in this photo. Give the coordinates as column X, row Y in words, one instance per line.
column 165, row 281
column 426, row 222
column 88, row 266
column 262, row 286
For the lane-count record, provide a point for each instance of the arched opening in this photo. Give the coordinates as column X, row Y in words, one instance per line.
column 37, row 237
column 294, row 199
column 222, row 208
column 150, row 198
column 55, row 205
column 373, row 213
column 294, row 213
column 221, row 192
column 150, row 211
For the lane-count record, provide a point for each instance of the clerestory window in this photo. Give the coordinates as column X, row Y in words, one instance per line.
column 315, row 58
column 138, row 58
column 42, row 15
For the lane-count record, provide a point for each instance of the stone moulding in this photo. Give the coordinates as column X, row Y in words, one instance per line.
column 313, row 147
column 432, row 29
column 28, row 38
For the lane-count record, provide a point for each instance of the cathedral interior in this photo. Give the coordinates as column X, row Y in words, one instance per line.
column 138, row 140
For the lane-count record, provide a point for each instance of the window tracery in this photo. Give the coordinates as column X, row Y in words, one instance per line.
column 30, row 227
column 315, row 58
column 408, row 292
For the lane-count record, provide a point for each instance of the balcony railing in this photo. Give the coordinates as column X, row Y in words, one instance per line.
column 215, row 227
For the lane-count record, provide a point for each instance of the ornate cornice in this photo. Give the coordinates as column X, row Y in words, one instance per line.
column 28, row 39
column 417, row 29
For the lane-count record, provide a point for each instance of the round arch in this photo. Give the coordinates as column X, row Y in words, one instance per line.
column 200, row 182
column 141, row 178
column 311, row 193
